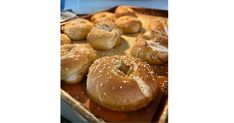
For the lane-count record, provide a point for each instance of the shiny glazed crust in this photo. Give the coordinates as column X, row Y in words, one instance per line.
column 75, row 61
column 121, row 83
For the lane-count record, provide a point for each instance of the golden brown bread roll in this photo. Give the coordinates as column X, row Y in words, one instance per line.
column 129, row 24
column 103, row 16
column 104, row 35
column 77, row 29
column 124, row 10
column 65, row 39
column 151, row 48
column 155, row 35
column 159, row 24
column 75, row 61
column 121, row 83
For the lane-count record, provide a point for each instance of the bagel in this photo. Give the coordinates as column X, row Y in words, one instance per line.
column 160, row 24
column 77, row 29
column 121, row 83
column 151, row 47
column 104, row 35
column 103, row 16
column 155, row 35
column 75, row 61
column 124, row 10
column 129, row 24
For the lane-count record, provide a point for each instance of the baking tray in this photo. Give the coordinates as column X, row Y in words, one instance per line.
column 76, row 96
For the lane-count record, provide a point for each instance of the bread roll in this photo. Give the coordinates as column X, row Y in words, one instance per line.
column 75, row 61
column 155, row 35
column 121, row 83
column 151, row 48
column 103, row 16
column 129, row 24
column 104, row 36
column 65, row 39
column 77, row 29
column 159, row 24
column 124, row 10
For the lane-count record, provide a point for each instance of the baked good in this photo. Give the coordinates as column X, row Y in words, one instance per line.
column 103, row 16
column 124, row 10
column 65, row 39
column 129, row 24
column 104, row 35
column 121, row 83
column 77, row 29
column 160, row 69
column 155, row 35
column 151, row 48
column 159, row 24
column 75, row 61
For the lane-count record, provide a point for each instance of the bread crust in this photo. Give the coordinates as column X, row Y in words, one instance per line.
column 75, row 61
column 159, row 24
column 129, row 24
column 124, row 10
column 103, row 16
column 77, row 29
column 104, row 35
column 65, row 39
column 151, row 47
column 121, row 83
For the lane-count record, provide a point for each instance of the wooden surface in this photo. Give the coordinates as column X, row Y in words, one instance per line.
column 156, row 111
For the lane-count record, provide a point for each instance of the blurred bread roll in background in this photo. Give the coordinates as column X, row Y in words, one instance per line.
column 129, row 24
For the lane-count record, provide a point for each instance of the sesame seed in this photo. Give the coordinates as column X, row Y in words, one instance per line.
column 101, row 84
column 121, row 87
column 113, row 88
column 104, row 93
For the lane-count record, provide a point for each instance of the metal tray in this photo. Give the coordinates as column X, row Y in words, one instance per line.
column 75, row 95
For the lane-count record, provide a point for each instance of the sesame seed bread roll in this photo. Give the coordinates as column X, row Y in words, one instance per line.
column 65, row 39
column 121, row 83
column 104, row 35
column 129, row 24
column 124, row 10
column 103, row 16
column 77, row 29
column 75, row 61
